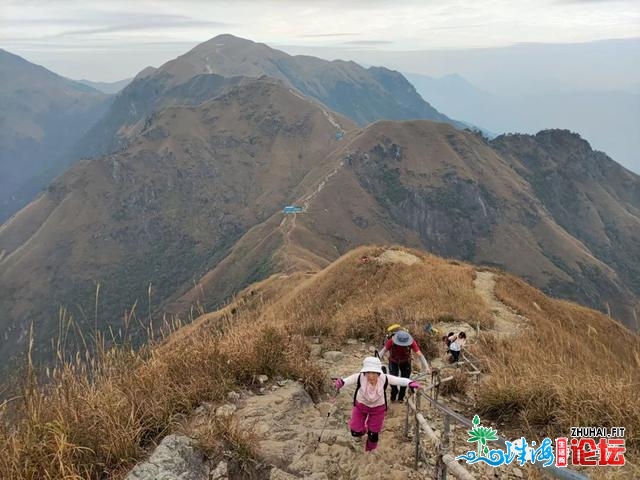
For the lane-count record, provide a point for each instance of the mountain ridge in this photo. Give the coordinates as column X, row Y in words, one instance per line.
column 363, row 95
column 160, row 211
column 464, row 221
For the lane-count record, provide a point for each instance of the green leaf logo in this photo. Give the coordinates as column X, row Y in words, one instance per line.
column 481, row 435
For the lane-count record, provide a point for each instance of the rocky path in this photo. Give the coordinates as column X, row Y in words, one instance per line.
column 290, row 428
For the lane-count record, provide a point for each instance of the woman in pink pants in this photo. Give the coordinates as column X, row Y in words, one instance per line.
column 370, row 399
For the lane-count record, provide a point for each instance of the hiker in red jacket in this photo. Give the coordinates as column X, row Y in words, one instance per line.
column 370, row 399
column 400, row 345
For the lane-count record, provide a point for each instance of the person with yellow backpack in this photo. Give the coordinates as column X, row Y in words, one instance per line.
column 400, row 344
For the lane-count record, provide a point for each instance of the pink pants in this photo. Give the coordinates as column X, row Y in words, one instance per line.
column 367, row 420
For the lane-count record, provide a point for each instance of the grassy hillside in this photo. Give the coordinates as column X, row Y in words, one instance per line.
column 161, row 213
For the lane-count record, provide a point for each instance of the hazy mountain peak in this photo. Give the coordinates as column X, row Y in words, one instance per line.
column 364, row 95
column 227, row 39
column 555, row 141
column 146, row 72
column 16, row 67
column 231, row 46
column 558, row 135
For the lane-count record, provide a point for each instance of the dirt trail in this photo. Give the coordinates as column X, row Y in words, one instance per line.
column 288, row 223
column 507, row 322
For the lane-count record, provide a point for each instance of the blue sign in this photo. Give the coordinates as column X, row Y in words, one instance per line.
column 292, row 209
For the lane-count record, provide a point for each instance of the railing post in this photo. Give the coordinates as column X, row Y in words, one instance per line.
column 417, row 432
column 445, row 446
column 434, row 376
column 406, row 421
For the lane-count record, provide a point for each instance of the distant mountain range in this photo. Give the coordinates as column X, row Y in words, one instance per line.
column 53, row 122
column 107, row 87
column 608, row 119
column 42, row 115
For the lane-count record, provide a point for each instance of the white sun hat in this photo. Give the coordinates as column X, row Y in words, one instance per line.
column 371, row 364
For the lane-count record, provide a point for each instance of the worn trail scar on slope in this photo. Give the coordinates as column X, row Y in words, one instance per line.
column 507, row 322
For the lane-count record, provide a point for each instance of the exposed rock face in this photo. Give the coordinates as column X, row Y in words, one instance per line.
column 594, row 199
column 174, row 459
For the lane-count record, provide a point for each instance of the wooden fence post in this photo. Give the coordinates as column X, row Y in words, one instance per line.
column 406, row 422
column 417, row 431
column 445, row 446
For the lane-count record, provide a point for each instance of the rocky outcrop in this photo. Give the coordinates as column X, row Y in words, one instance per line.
column 174, row 459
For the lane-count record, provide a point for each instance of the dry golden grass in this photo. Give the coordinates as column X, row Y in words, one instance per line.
column 94, row 420
column 457, row 386
column 351, row 298
column 222, row 437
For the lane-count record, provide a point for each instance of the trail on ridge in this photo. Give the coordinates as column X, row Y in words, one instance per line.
column 507, row 322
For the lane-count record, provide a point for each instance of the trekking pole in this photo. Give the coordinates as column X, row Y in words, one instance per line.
column 332, row 401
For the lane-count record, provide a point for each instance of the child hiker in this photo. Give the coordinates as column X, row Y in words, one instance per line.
column 400, row 344
column 370, row 399
column 446, row 340
column 456, row 345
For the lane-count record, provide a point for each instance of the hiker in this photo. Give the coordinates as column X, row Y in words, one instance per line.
column 370, row 399
column 456, row 346
column 399, row 345
column 446, row 340
column 391, row 331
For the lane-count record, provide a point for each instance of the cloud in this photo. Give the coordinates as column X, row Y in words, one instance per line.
column 461, row 26
column 368, row 42
column 147, row 25
column 586, row 1
column 47, row 45
column 312, row 35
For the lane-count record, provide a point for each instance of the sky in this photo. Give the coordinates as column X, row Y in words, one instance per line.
column 112, row 40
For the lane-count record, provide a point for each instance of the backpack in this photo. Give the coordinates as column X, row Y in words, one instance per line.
column 400, row 354
column 386, row 382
